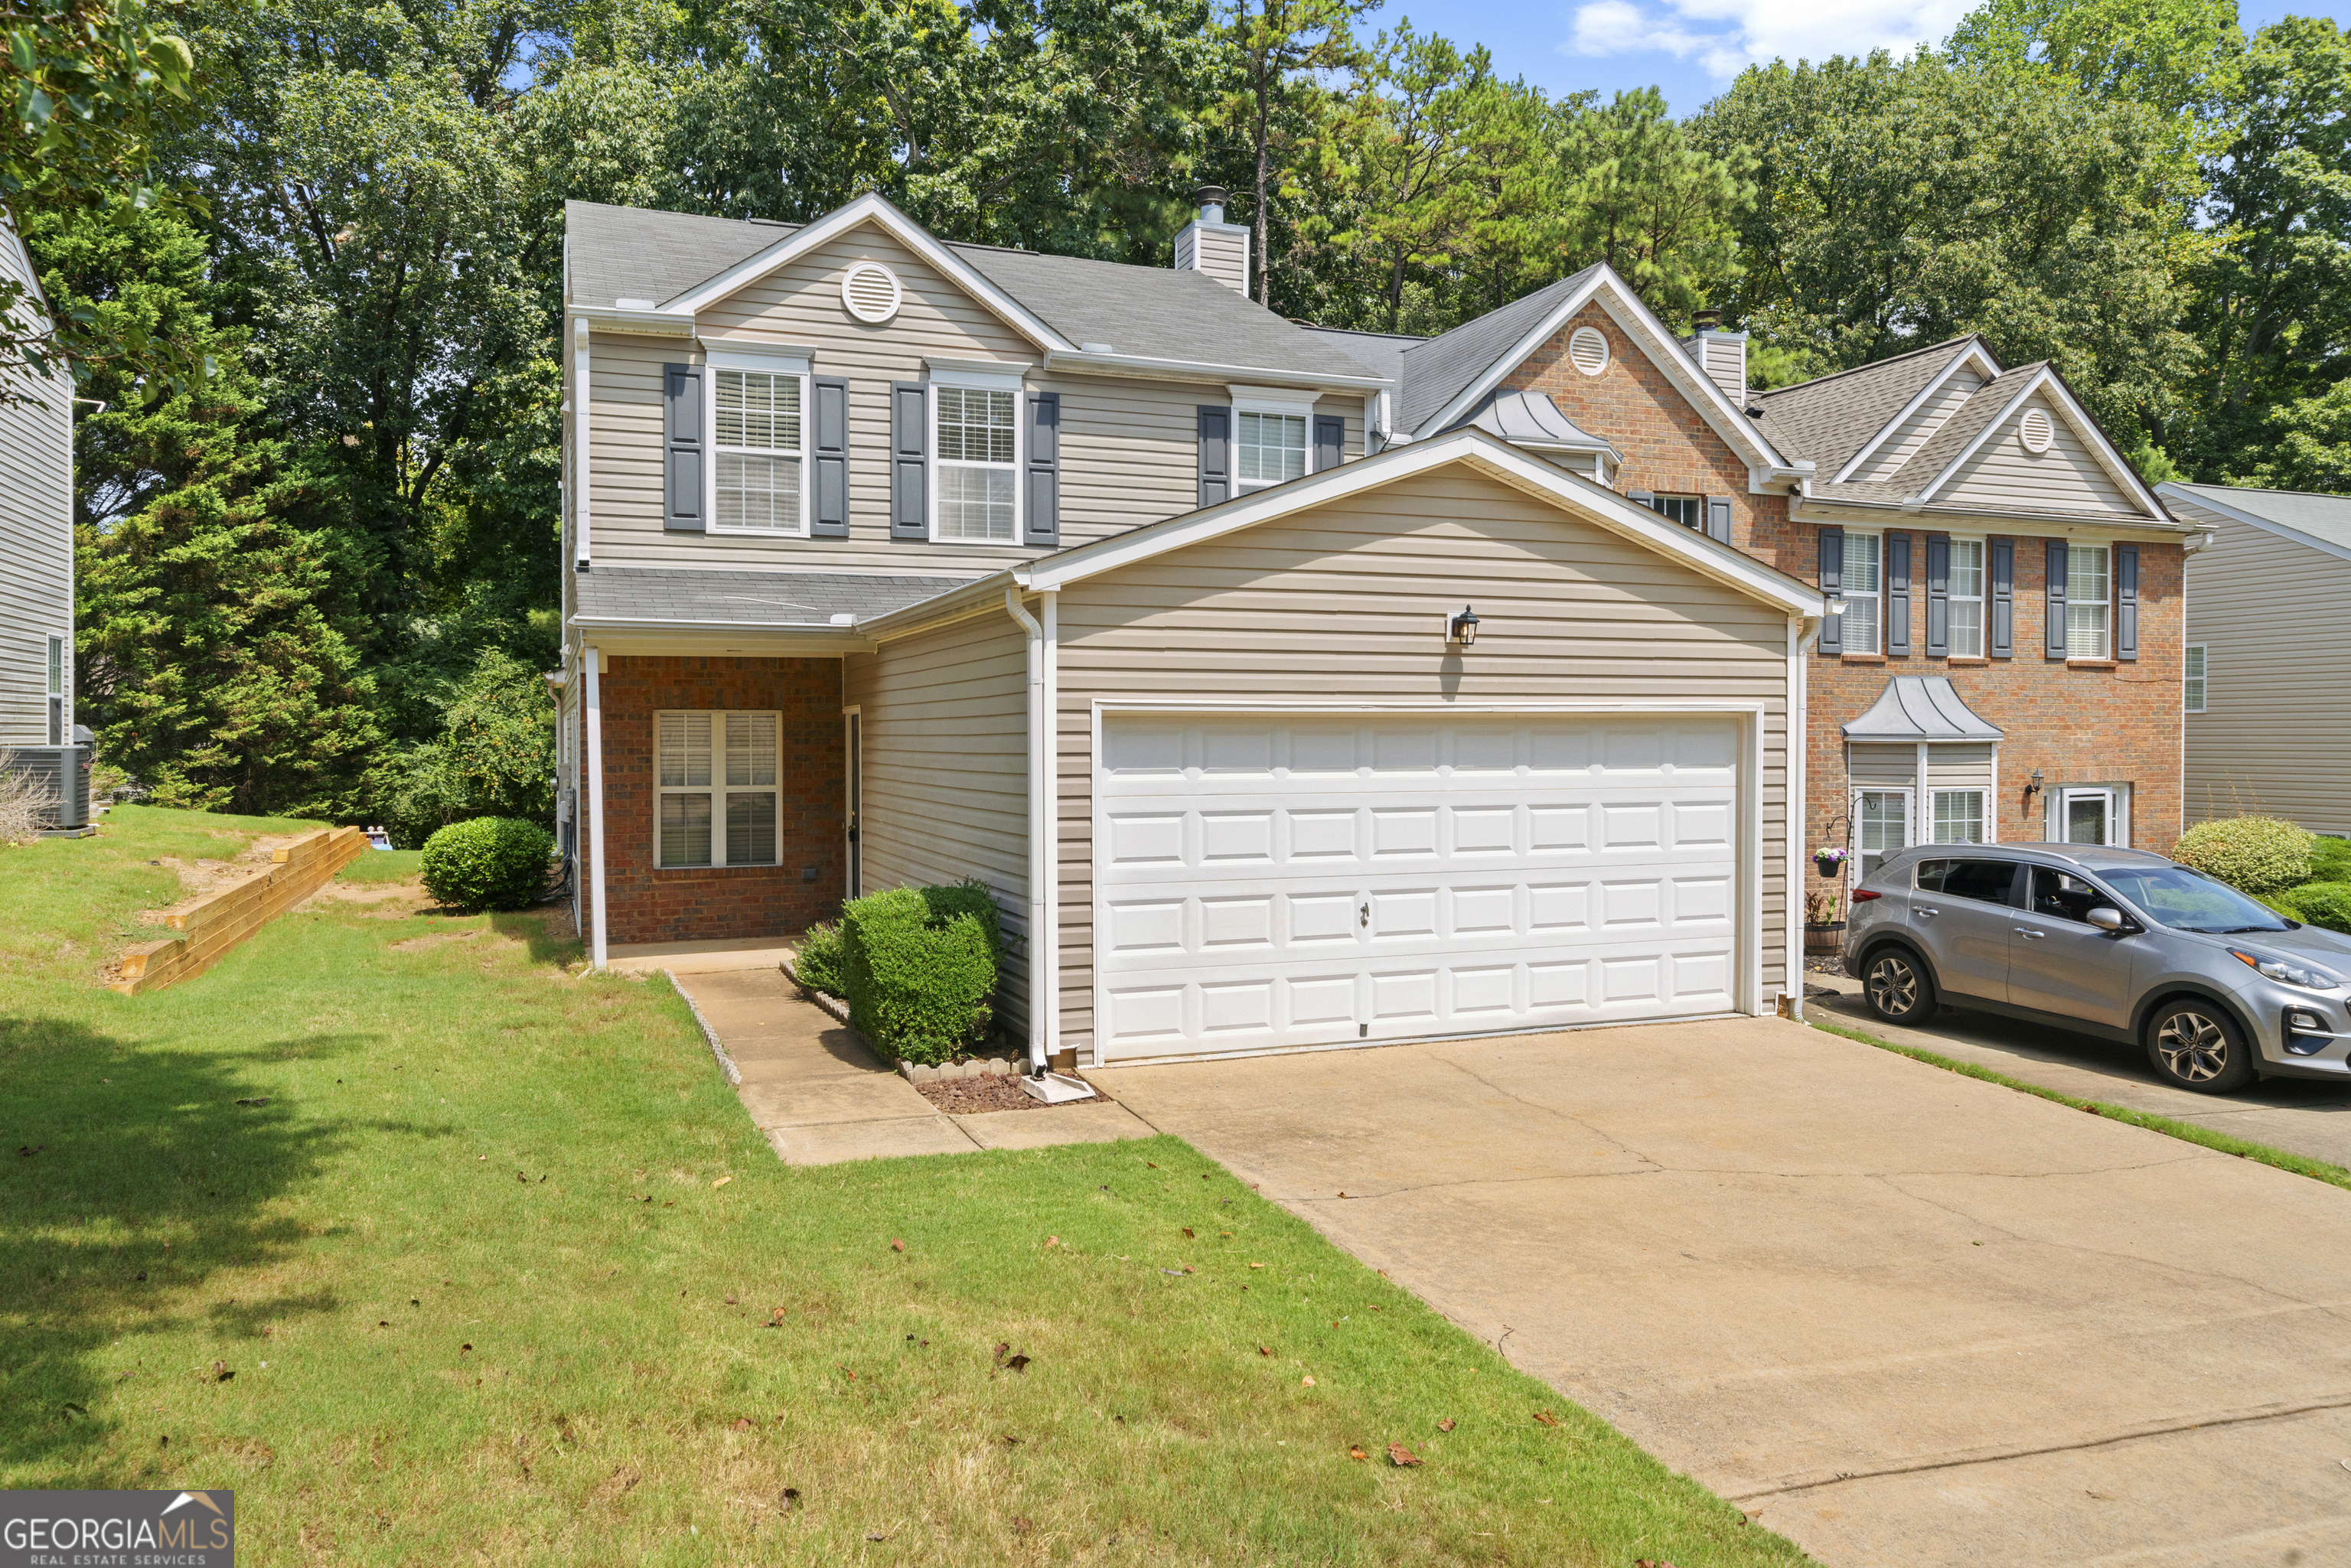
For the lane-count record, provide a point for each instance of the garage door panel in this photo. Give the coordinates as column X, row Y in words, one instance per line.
column 1304, row 881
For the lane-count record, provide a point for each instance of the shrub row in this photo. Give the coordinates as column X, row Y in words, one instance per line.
column 917, row 966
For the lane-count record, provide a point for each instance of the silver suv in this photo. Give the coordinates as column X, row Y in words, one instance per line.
column 2220, row 989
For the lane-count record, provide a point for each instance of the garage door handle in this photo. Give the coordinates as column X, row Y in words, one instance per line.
column 2031, row 935
column 1364, row 916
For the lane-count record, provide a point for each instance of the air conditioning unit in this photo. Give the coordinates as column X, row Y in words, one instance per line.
column 59, row 774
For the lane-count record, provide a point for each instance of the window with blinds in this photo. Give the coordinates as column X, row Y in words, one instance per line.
column 759, row 444
column 976, row 463
column 717, row 803
column 2087, row 582
column 1272, row 448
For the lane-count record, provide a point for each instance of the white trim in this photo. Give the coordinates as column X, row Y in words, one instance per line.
column 1875, row 596
column 2203, row 677
column 1750, row 718
column 1079, row 361
column 1854, row 871
column 1980, row 598
column 1272, row 400
column 717, row 789
column 1002, row 375
column 1498, row 459
column 1262, row 409
column 1975, row 352
column 582, row 399
column 644, row 323
column 1041, row 841
column 782, row 367
column 1046, row 950
column 1625, row 307
column 2118, row 823
column 2209, row 511
column 593, row 659
column 1934, row 812
column 877, row 210
column 857, row 270
column 934, row 462
column 1794, row 831
column 2108, row 604
column 2046, row 378
column 767, row 359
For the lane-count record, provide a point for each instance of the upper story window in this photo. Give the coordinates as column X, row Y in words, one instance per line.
column 2087, row 586
column 1967, row 598
column 2191, row 686
column 760, row 444
column 1272, row 448
column 1689, row 511
column 979, row 462
column 1864, row 579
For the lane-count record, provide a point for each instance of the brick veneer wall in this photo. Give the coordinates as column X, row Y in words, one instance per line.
column 646, row 905
column 2078, row 725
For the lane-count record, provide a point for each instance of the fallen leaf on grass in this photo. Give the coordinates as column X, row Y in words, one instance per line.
column 1446, row 1425
column 1546, row 1417
column 1264, row 1350
column 776, row 1319
column 730, row 1301
column 1357, row 1454
column 895, row 1246
column 1021, row 1527
column 787, row 1498
column 1188, row 1233
column 722, row 1181
column 222, row 1372
column 1257, row 1265
column 742, row 1424
column 1307, row 1382
column 464, row 1347
column 1017, row 1364
column 1401, row 1456
column 1651, row 1563
column 1052, row 1241
column 258, row 1099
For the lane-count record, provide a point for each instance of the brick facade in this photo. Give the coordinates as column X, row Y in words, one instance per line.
column 646, row 905
column 2114, row 725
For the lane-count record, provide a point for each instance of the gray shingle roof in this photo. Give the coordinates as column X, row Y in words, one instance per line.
column 777, row 599
column 1154, row 312
column 1381, row 353
column 1921, row 707
column 1830, row 418
column 2326, row 518
column 1436, row 371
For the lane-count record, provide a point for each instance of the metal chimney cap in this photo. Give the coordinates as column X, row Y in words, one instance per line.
column 1210, row 195
column 1705, row 321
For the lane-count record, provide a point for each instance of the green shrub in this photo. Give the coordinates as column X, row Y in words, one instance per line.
column 2330, row 860
column 2257, row 854
column 488, row 863
column 919, row 965
column 2327, row 904
column 818, row 964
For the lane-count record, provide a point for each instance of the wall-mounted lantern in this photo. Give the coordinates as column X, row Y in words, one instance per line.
column 2032, row 785
column 1462, row 628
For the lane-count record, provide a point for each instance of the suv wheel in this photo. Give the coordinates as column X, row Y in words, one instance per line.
column 1896, row 986
column 2197, row 1046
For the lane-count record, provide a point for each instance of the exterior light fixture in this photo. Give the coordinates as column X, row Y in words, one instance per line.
column 1462, row 628
column 2032, row 785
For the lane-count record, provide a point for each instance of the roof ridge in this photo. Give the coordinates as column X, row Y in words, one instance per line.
column 2260, row 489
column 1877, row 365
column 1367, row 332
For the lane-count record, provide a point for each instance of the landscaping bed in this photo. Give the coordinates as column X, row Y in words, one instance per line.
column 972, row 1097
column 438, row 1250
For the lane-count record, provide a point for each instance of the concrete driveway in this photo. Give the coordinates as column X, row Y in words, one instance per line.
column 1902, row 1316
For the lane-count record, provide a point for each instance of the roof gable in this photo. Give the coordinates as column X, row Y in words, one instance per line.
column 1833, row 419
column 2306, row 518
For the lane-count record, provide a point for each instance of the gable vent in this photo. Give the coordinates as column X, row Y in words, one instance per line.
column 870, row 291
column 2035, row 431
column 1587, row 350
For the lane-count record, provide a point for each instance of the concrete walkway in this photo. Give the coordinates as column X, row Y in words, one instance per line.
column 2306, row 1116
column 820, row 1097
column 1904, row 1317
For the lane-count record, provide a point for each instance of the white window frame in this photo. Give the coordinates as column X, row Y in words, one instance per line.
column 2106, row 636
column 1908, row 798
column 764, row 363
column 1693, row 505
column 1935, row 816
column 2194, row 677
column 717, row 789
column 2117, row 798
column 969, row 380
column 1284, row 401
column 60, row 705
column 1875, row 598
column 1953, row 598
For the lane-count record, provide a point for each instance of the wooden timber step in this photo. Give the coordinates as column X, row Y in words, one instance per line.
column 220, row 921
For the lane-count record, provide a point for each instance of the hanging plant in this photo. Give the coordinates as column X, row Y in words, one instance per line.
column 1829, row 859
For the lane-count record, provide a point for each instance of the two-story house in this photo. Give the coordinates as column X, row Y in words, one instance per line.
column 36, row 555
column 1298, row 688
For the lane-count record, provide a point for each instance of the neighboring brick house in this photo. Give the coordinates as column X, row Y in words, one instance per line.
column 1295, row 688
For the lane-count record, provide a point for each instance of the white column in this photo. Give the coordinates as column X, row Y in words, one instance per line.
column 1050, row 817
column 591, row 661
column 1799, row 741
column 1040, row 1000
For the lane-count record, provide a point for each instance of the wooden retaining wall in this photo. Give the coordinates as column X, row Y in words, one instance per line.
column 220, row 921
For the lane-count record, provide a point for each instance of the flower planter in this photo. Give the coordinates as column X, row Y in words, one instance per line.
column 1828, row 865
column 1824, row 935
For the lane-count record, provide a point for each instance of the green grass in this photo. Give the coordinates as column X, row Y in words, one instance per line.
column 382, row 866
column 492, row 1255
column 2187, row 1132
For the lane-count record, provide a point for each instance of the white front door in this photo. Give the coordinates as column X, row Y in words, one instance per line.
column 1272, row 882
column 2087, row 817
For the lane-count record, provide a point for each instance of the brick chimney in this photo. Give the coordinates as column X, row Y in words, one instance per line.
column 1721, row 355
column 1208, row 244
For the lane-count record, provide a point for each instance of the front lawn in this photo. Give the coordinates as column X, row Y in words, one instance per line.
column 435, row 1252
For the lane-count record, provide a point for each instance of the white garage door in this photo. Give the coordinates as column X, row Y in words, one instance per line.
column 1268, row 882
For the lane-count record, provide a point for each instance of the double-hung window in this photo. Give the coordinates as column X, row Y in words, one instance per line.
column 2191, row 684
column 1967, row 601
column 1862, row 585
column 1959, row 816
column 2086, row 589
column 56, row 691
column 759, row 446
column 979, row 462
column 1272, row 448
column 717, row 795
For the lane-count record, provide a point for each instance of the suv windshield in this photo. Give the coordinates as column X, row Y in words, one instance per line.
column 2189, row 901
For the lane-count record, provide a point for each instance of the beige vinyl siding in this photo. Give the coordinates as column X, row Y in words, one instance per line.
column 1959, row 764
column 1887, row 460
column 945, row 743
column 2270, row 740
column 1222, row 253
column 2067, row 479
column 1347, row 602
column 1883, row 766
column 1351, row 409
column 36, row 542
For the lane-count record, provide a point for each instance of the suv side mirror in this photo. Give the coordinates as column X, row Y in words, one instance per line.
column 2107, row 918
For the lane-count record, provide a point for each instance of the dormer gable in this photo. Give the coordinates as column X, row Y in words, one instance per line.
column 1900, row 438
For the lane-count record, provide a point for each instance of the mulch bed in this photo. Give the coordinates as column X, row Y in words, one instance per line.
column 971, row 1096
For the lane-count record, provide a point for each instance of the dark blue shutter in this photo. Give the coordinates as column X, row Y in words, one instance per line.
column 1938, row 595
column 2127, row 602
column 1833, row 589
column 1642, row 498
column 1216, row 454
column 1718, row 518
column 2054, row 645
column 2001, row 642
column 1044, row 511
column 1330, row 441
column 1897, row 593
column 828, row 457
column 910, row 464
column 683, row 450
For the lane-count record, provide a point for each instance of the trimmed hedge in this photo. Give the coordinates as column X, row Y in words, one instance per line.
column 487, row 862
column 819, row 965
column 919, row 967
column 2256, row 855
column 2330, row 860
column 2327, row 904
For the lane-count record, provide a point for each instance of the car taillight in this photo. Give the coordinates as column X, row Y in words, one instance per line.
column 1864, row 894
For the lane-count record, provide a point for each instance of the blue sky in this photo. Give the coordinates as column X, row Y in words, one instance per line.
column 1691, row 48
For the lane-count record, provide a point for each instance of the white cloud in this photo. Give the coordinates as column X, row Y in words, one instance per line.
column 1725, row 36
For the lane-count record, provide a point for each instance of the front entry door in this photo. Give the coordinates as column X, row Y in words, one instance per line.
column 856, row 878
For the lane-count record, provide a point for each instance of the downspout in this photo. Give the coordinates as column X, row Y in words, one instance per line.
column 579, row 401
column 1049, row 793
column 1039, row 999
column 1803, row 631
column 591, row 661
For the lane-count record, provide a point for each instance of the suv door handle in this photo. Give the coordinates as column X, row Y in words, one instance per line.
column 2031, row 935
column 1921, row 909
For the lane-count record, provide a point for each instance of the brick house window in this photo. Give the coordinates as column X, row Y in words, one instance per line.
column 2192, row 685
column 1967, row 599
column 716, row 803
column 1862, row 586
column 1689, row 511
column 2086, row 587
